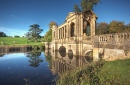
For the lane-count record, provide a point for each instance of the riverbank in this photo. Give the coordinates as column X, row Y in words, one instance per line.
column 20, row 44
column 17, row 41
column 99, row 73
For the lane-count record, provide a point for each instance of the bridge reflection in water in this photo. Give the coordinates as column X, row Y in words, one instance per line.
column 62, row 62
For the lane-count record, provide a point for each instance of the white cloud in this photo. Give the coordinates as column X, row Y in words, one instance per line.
column 12, row 31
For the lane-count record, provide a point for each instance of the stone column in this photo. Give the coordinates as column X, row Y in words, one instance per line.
column 81, row 26
column 61, row 33
column 93, row 26
column 64, row 32
column 68, row 32
column 81, row 35
column 95, row 54
column 58, row 34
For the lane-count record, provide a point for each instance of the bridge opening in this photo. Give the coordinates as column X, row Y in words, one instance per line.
column 89, row 56
column 87, row 29
column 62, row 51
column 70, row 54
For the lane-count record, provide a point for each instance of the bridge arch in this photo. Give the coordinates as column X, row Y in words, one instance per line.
column 62, row 51
column 70, row 54
column 87, row 28
column 88, row 55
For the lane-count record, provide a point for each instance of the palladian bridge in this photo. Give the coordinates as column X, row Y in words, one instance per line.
column 77, row 35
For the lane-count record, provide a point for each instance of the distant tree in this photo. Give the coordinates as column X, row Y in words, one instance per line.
column 127, row 28
column 16, row 36
column 102, row 28
column 2, row 34
column 76, row 9
column 88, row 4
column 34, row 32
column 116, row 26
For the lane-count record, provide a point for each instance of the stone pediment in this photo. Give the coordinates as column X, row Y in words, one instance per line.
column 70, row 15
column 89, row 13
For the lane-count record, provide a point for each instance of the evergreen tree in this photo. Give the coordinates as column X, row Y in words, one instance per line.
column 76, row 9
column 34, row 32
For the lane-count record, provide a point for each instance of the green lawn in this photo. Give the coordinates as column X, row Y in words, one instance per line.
column 16, row 41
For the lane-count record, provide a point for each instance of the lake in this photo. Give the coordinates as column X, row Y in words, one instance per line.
column 25, row 69
column 37, row 68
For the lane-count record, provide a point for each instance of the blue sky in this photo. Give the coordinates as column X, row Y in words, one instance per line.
column 17, row 15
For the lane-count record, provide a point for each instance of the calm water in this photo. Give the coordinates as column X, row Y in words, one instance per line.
column 25, row 69
column 37, row 68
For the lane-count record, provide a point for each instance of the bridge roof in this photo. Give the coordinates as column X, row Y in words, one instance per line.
column 70, row 15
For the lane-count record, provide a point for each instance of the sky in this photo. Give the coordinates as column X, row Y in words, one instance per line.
column 17, row 15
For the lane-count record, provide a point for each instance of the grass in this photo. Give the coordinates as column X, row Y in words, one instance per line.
column 17, row 41
column 117, row 72
column 99, row 73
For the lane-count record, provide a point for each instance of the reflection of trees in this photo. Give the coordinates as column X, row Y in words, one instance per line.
column 34, row 58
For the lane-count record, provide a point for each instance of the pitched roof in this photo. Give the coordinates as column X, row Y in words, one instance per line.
column 70, row 15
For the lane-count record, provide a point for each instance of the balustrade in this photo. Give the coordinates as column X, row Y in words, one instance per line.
column 118, row 38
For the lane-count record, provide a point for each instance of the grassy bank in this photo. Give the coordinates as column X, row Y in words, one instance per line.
column 5, row 41
column 115, row 72
column 99, row 73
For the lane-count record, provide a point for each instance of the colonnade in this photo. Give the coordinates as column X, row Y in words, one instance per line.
column 62, row 32
column 60, row 66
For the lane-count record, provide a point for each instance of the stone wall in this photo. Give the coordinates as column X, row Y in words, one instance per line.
column 113, row 54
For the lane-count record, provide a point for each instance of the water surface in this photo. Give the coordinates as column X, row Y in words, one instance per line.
column 25, row 68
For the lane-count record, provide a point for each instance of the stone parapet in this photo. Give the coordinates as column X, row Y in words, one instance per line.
column 112, row 41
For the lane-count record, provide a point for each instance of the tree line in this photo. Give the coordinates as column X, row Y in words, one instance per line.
column 113, row 27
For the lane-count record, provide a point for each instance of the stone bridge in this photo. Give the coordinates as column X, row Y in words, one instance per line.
column 77, row 34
